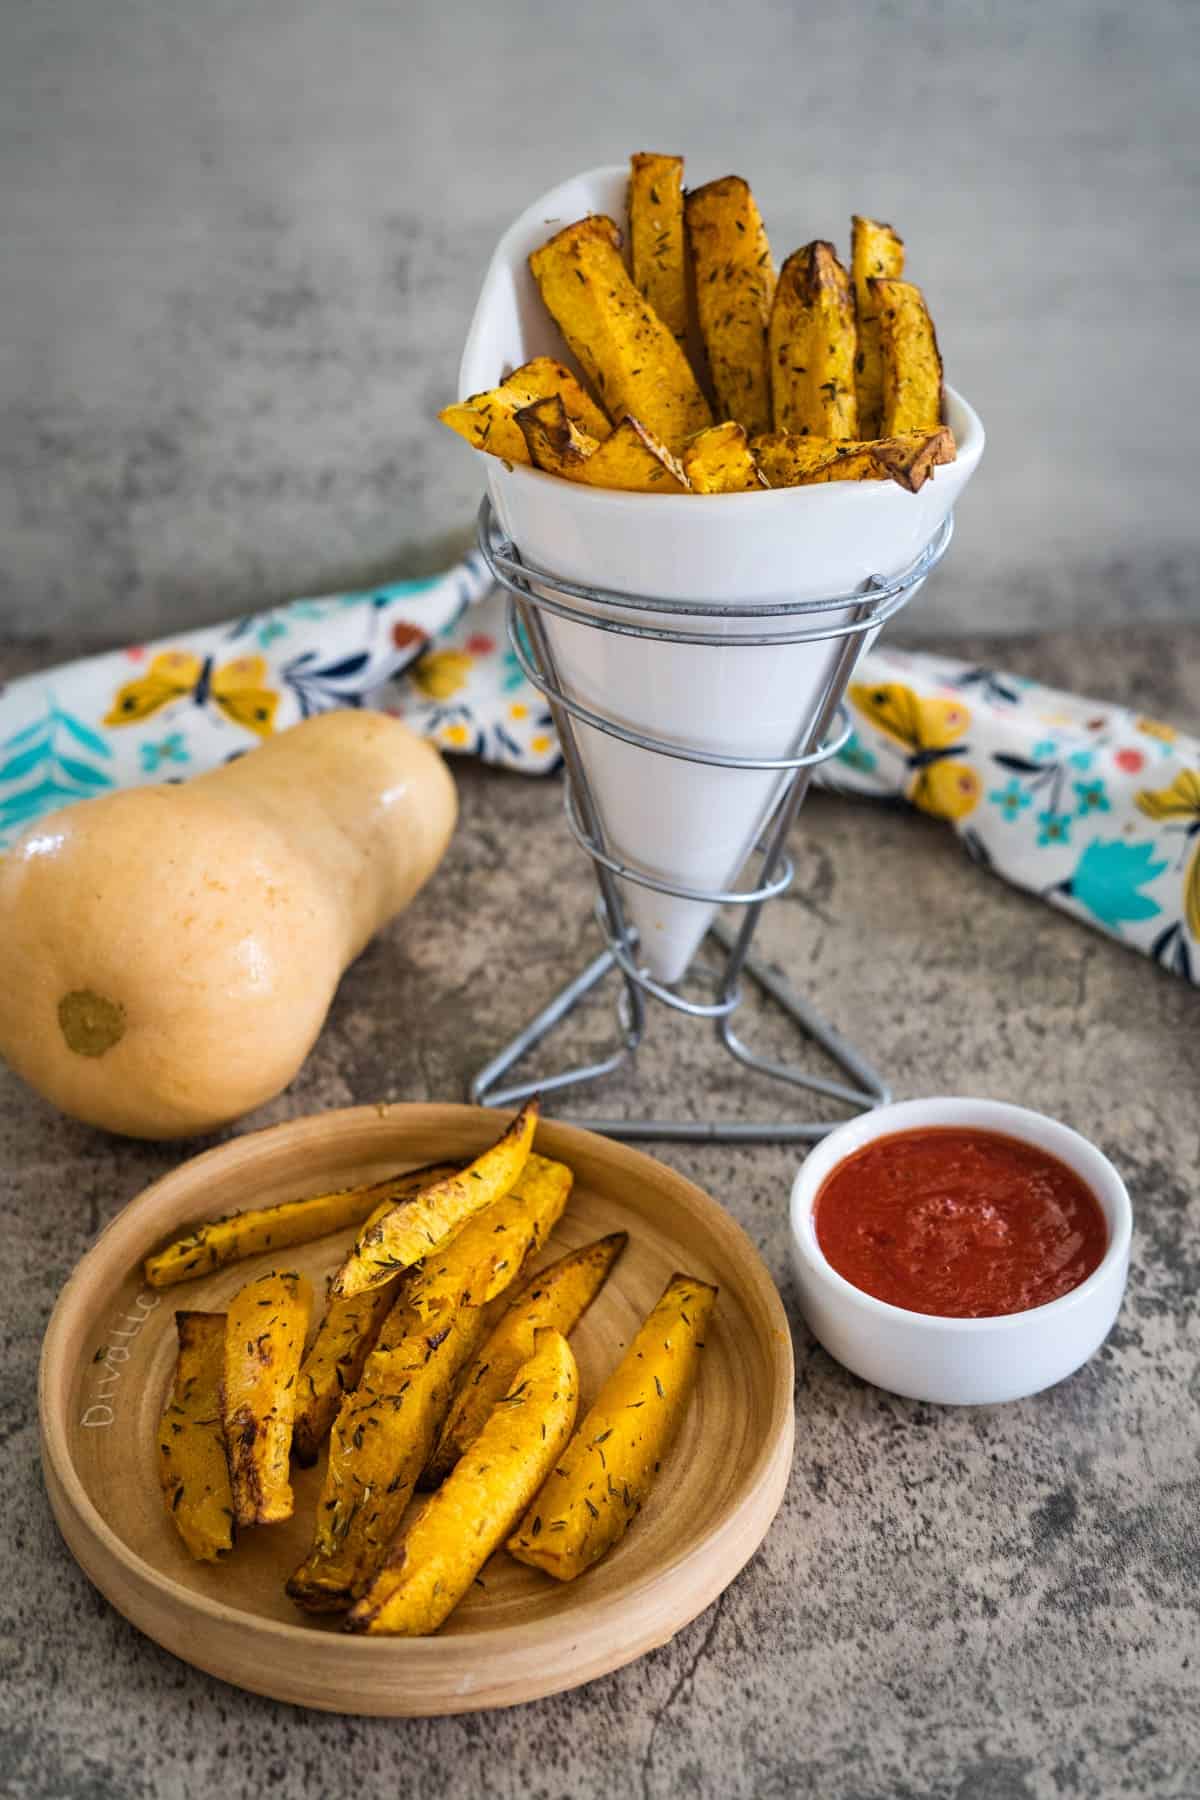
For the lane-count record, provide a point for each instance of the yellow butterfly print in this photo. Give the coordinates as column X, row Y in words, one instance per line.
column 1181, row 801
column 441, row 673
column 238, row 689
column 949, row 790
column 929, row 731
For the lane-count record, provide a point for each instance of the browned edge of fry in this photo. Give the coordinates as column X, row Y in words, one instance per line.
column 555, row 444
column 911, row 468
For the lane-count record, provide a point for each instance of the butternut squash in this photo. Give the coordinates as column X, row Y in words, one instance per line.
column 171, row 952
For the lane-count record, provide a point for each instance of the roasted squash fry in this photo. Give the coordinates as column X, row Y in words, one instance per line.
column 191, row 1448
column 813, row 341
column 380, row 1442
column 656, row 243
column 553, row 442
column 331, row 1369
column 350, row 1328
column 875, row 251
column 912, row 363
column 623, row 347
column 600, row 1482
column 735, row 285
column 264, row 1341
column 909, row 458
column 489, row 421
column 385, row 1431
column 718, row 461
column 787, row 459
column 344, row 1339
column 490, row 1251
column 631, row 458
column 418, row 1223
column 554, row 1299
column 259, row 1228
column 428, row 1570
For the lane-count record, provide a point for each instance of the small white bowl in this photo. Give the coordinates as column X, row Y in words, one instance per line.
column 960, row 1362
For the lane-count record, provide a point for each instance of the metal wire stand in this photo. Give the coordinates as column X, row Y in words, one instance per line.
column 532, row 592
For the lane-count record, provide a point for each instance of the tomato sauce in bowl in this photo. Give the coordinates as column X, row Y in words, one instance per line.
column 959, row 1223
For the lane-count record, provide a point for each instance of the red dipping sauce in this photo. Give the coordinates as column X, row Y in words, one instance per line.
column 962, row 1223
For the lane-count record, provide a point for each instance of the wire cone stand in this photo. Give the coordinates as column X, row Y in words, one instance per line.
column 842, row 618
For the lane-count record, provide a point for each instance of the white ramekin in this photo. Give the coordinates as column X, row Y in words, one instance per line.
column 960, row 1362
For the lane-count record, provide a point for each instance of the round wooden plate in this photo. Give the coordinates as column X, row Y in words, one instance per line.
column 108, row 1358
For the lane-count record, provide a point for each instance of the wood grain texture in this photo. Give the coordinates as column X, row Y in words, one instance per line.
column 107, row 1361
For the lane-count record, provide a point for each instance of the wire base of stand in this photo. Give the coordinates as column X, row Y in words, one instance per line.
column 870, row 1089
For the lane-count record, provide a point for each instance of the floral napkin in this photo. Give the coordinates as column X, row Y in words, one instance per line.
column 1087, row 804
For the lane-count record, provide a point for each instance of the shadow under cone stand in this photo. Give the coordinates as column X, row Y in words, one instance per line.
column 765, row 989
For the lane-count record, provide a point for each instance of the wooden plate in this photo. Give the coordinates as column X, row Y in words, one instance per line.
column 107, row 1362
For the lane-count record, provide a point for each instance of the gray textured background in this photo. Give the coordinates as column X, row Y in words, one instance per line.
column 241, row 244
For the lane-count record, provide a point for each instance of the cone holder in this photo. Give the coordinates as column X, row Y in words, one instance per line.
column 846, row 618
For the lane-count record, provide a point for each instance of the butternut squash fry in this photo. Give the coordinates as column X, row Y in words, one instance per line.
column 334, row 1362
column 191, row 1447
column 486, row 1257
column 718, row 461
column 221, row 1241
column 553, row 442
column 489, row 421
column 792, row 459
column 631, row 458
column 607, row 1471
column 656, row 244
column 623, row 347
column 431, row 1566
column 344, row 1339
column 735, row 285
column 813, row 342
column 380, row 1441
column 909, row 458
column 384, row 1431
column 419, row 1223
column 264, row 1341
column 555, row 1299
column 911, row 361
column 875, row 251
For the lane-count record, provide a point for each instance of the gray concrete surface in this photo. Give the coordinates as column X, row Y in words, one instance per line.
column 242, row 242
column 989, row 1604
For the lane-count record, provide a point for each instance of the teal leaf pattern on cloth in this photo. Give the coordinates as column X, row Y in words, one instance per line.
column 1108, row 878
column 855, row 755
column 37, row 747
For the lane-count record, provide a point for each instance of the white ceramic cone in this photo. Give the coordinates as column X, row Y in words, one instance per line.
column 685, row 822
